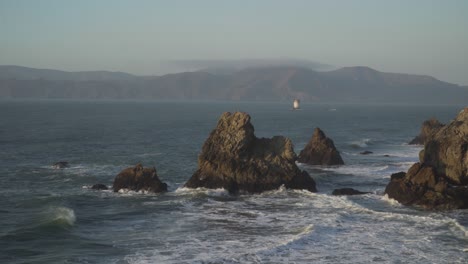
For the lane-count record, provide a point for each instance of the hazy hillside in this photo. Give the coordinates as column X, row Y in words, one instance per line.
column 25, row 73
column 279, row 83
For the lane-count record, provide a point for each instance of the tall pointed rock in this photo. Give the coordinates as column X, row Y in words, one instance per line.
column 320, row 151
column 233, row 158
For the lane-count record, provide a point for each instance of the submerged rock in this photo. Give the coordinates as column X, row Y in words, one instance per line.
column 347, row 191
column 233, row 158
column 366, row 152
column 139, row 179
column 99, row 186
column 428, row 129
column 440, row 179
column 320, row 151
column 61, row 165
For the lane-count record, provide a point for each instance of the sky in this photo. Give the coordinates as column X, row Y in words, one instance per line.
column 417, row 37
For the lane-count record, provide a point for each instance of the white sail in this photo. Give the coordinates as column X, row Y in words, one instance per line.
column 296, row 104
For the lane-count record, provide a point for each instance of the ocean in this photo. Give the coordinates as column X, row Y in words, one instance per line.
column 51, row 215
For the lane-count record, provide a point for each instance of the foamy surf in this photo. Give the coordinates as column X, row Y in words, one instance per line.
column 391, row 201
column 362, row 143
column 205, row 191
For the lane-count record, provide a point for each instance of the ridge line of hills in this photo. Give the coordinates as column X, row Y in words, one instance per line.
column 272, row 83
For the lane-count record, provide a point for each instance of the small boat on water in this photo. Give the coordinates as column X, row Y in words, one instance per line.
column 296, row 104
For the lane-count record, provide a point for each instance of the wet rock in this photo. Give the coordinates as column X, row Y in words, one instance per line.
column 99, row 186
column 440, row 179
column 347, row 191
column 367, row 152
column 320, row 151
column 61, row 165
column 139, row 179
column 428, row 129
column 233, row 158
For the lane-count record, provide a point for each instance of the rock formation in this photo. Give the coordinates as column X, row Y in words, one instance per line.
column 233, row 158
column 61, row 165
column 440, row 179
column 347, row 191
column 428, row 129
column 139, row 179
column 99, row 186
column 320, row 151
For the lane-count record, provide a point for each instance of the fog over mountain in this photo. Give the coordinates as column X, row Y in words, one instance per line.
column 254, row 83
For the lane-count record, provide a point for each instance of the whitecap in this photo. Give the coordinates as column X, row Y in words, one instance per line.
column 221, row 192
column 362, row 143
column 391, row 201
column 61, row 216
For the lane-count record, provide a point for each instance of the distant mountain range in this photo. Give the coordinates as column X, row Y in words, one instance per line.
column 274, row 83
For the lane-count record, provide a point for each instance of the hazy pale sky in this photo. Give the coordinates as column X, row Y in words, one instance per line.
column 417, row 36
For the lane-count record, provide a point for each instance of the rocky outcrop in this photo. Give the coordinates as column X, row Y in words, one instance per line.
column 428, row 129
column 139, row 179
column 233, row 158
column 61, row 165
column 99, row 187
column 347, row 191
column 440, row 179
column 320, row 151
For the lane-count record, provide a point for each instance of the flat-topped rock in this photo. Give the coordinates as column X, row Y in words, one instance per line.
column 233, row 158
column 139, row 179
column 320, row 151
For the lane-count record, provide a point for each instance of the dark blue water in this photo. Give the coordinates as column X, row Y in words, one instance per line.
column 51, row 216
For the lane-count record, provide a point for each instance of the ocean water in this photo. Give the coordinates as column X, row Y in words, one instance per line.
column 52, row 216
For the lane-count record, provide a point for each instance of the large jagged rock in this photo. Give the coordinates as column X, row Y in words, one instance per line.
column 234, row 159
column 428, row 129
column 440, row 179
column 139, row 179
column 320, row 151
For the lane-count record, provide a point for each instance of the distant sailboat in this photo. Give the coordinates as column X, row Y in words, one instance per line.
column 296, row 104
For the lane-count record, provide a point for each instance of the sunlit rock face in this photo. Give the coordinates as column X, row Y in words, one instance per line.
column 233, row 158
column 440, row 179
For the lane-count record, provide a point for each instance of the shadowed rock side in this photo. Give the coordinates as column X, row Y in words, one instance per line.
column 428, row 129
column 440, row 179
column 347, row 191
column 320, row 151
column 139, row 179
column 61, row 165
column 234, row 159
column 99, row 186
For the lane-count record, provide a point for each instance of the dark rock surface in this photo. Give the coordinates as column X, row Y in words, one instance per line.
column 367, row 152
column 428, row 129
column 99, row 186
column 61, row 165
column 233, row 158
column 320, row 151
column 440, row 180
column 139, row 179
column 347, row 191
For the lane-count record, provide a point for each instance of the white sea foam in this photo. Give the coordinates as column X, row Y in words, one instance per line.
column 359, row 170
column 362, row 143
column 206, row 191
column 61, row 216
column 390, row 201
column 128, row 192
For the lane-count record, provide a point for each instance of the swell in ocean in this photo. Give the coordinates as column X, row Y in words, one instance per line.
column 53, row 216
